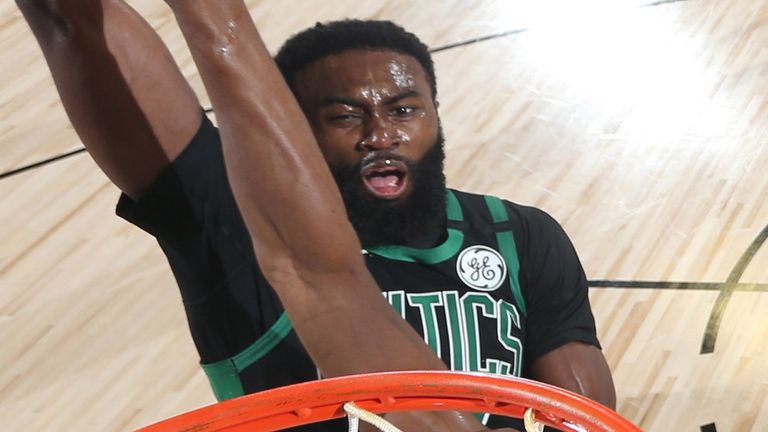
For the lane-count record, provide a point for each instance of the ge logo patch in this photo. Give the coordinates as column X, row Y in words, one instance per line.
column 481, row 268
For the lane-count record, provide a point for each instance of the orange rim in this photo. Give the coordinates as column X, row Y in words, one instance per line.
column 321, row 400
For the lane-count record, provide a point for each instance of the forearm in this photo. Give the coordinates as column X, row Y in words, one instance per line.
column 270, row 152
column 303, row 241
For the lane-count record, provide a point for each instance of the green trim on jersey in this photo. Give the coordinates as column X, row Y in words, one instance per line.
column 224, row 375
column 504, row 239
column 224, row 378
column 436, row 254
column 506, row 242
column 264, row 345
column 508, row 249
column 496, row 208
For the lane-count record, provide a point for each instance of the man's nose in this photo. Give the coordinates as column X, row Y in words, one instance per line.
column 380, row 135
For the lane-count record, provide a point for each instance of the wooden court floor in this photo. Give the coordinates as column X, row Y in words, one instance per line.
column 641, row 126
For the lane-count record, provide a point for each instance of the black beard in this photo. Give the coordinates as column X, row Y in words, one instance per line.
column 418, row 218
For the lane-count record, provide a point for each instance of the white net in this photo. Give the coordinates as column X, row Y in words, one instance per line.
column 355, row 414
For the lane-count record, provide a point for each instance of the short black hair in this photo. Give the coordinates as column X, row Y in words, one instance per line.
column 326, row 39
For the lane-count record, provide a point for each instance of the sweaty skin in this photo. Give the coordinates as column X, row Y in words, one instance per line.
column 364, row 104
column 362, row 100
column 135, row 116
column 314, row 269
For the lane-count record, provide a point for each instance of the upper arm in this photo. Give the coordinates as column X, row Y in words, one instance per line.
column 577, row 367
column 122, row 91
column 562, row 346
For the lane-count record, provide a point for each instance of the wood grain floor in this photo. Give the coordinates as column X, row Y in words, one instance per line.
column 642, row 128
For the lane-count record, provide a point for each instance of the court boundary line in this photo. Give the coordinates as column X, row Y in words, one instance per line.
column 52, row 159
column 726, row 289
column 477, row 40
column 41, row 163
column 718, row 308
column 435, row 50
column 682, row 286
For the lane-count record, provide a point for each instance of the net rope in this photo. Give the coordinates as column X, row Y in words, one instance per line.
column 355, row 414
column 531, row 425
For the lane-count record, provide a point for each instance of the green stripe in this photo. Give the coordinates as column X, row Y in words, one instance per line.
column 224, row 379
column 224, row 375
column 497, row 209
column 264, row 345
column 436, row 254
column 452, row 208
column 506, row 242
column 508, row 249
column 424, row 256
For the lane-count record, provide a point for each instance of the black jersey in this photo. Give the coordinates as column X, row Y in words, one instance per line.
column 464, row 295
column 504, row 288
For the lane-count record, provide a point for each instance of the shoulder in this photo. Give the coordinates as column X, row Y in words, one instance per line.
column 175, row 202
column 535, row 222
column 542, row 237
column 524, row 219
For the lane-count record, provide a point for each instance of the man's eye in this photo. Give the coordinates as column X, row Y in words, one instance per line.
column 403, row 110
column 343, row 118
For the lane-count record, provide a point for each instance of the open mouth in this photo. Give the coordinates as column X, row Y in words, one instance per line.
column 385, row 178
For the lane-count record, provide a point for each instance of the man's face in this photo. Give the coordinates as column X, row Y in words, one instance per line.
column 373, row 115
column 374, row 108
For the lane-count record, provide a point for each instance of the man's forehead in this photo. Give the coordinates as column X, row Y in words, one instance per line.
column 360, row 67
column 365, row 54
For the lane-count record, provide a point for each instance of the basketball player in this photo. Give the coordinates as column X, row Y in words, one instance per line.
column 492, row 286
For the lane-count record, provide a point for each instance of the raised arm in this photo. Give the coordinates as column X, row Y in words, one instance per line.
column 124, row 94
column 302, row 239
